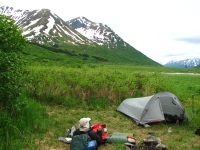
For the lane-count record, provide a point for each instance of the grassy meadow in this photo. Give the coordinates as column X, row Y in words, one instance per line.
column 57, row 96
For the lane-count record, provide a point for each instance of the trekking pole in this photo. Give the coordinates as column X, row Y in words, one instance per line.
column 192, row 105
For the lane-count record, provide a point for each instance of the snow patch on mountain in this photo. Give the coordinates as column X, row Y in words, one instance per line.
column 97, row 32
column 43, row 26
column 14, row 14
column 50, row 25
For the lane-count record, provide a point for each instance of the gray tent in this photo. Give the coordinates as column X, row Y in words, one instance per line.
column 157, row 108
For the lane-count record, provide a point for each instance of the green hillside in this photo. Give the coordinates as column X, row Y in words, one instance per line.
column 85, row 54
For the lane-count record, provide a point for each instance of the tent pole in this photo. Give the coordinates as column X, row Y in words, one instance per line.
column 193, row 106
column 161, row 109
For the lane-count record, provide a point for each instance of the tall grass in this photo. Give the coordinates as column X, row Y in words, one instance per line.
column 185, row 85
column 56, row 85
column 20, row 127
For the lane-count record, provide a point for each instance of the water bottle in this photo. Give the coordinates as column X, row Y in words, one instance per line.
column 170, row 130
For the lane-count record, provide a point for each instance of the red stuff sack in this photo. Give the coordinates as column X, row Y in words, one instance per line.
column 98, row 125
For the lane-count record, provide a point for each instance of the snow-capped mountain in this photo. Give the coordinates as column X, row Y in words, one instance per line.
column 79, row 36
column 43, row 26
column 186, row 63
column 97, row 32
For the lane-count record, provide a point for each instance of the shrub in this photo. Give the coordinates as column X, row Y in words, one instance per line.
column 11, row 64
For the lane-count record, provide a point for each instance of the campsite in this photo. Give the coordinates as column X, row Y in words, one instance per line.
column 56, row 103
column 182, row 136
column 58, row 75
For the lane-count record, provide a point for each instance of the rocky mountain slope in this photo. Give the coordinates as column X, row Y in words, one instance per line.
column 97, row 32
column 43, row 26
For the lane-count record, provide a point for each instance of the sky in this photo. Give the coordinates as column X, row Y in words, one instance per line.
column 163, row 30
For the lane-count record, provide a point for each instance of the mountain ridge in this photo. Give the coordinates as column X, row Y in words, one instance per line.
column 97, row 32
column 185, row 63
column 46, row 28
column 35, row 27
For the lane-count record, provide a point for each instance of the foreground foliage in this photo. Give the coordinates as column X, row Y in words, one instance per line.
column 11, row 65
column 18, row 119
column 18, row 130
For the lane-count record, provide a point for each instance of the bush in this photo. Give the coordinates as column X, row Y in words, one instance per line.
column 11, row 64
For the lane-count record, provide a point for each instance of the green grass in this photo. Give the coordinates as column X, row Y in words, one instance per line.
column 185, row 85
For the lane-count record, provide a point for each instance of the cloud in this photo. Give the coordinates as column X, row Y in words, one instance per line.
column 191, row 40
column 174, row 55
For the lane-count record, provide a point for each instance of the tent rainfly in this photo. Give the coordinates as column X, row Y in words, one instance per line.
column 157, row 108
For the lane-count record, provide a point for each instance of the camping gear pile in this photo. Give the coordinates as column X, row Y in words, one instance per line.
column 163, row 106
column 69, row 134
column 131, row 143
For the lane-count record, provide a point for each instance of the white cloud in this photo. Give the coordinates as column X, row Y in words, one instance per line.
column 151, row 26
